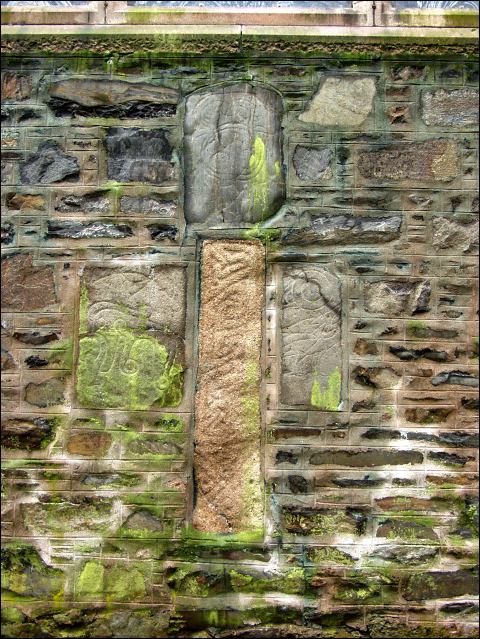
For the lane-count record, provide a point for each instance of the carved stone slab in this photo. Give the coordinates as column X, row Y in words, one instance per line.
column 132, row 324
column 311, row 337
column 227, row 404
column 233, row 154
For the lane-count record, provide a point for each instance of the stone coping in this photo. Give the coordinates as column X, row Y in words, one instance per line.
column 238, row 39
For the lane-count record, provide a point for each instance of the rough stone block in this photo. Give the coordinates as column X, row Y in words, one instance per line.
column 139, row 155
column 430, row 161
column 341, row 102
column 26, row 287
column 49, row 164
column 458, row 107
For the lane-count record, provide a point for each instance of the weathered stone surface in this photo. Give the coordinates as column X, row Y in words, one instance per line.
column 86, row 230
column 68, row 517
column 161, row 232
column 311, row 337
column 148, row 205
column 26, row 287
column 431, row 161
column 346, row 229
column 459, row 378
column 393, row 297
column 26, row 575
column 35, row 338
column 8, row 362
column 365, row 458
column 458, row 107
column 376, row 377
column 44, row 394
column 28, row 434
column 96, row 203
column 49, row 164
column 25, row 202
column 227, row 429
column 312, row 163
column 451, row 459
column 132, row 356
column 433, row 585
column 143, row 520
column 341, row 101
column 7, row 233
column 136, row 296
column 407, row 530
column 451, row 234
column 111, row 98
column 89, row 443
column 408, row 555
column 233, row 154
column 413, row 354
column 427, row 415
column 323, row 522
column 33, row 361
column 16, row 86
column 139, row 155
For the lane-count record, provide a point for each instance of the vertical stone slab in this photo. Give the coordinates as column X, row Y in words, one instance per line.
column 233, row 154
column 228, row 422
column 311, row 346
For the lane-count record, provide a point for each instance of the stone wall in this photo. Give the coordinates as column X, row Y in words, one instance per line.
column 239, row 346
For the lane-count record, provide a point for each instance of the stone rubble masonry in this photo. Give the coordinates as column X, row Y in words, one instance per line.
column 227, row 403
column 239, row 336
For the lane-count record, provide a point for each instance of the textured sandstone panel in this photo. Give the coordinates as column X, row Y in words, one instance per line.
column 433, row 160
column 26, row 287
column 341, row 101
column 227, row 429
column 132, row 325
column 311, row 337
column 450, row 108
column 233, row 154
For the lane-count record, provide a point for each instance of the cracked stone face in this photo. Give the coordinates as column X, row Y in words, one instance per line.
column 233, row 154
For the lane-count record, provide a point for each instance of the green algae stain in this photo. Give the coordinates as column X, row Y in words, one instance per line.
column 122, row 368
column 259, row 179
column 90, row 581
column 124, row 584
column 328, row 399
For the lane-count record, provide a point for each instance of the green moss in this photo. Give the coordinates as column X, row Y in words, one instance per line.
column 329, row 555
column 89, row 584
column 330, row 398
column 25, row 576
column 124, row 584
column 11, row 614
column 122, row 368
column 291, row 582
column 170, row 423
column 267, row 236
column 62, row 353
column 259, row 177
